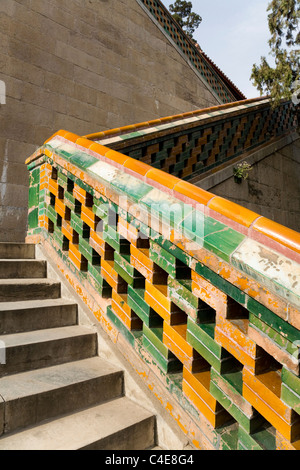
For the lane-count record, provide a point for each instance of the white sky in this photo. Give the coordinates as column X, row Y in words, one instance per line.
column 234, row 34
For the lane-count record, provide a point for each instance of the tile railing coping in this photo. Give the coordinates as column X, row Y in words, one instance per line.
column 179, row 119
column 272, row 234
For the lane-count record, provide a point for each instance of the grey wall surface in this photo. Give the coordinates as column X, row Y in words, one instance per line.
column 84, row 66
column 273, row 186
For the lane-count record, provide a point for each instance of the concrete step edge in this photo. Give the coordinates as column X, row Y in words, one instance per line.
column 119, row 424
column 32, row 315
column 33, row 396
column 43, row 348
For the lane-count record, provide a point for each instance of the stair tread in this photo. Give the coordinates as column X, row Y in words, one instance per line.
column 81, row 429
column 29, row 304
column 50, row 334
column 30, row 280
column 22, row 260
column 38, row 381
column 12, row 250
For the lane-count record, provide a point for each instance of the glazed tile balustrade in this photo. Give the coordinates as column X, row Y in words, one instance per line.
column 201, row 295
column 192, row 144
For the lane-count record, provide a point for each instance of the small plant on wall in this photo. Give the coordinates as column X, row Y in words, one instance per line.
column 241, row 171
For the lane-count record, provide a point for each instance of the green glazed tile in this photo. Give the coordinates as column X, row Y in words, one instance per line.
column 130, row 186
column 228, row 436
column 282, row 341
column 225, row 286
column 291, row 380
column 173, row 249
column 34, row 177
column 227, row 390
column 166, row 365
column 88, row 252
column 211, row 234
column 180, row 293
column 128, row 335
column 69, row 200
column 51, row 214
column 290, row 398
column 155, row 336
column 273, row 320
column 33, row 196
column 82, row 159
column 164, row 207
column 33, row 218
column 262, row 439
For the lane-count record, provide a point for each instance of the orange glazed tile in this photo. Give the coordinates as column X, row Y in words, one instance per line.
column 53, row 187
column 60, row 208
column 284, row 444
column 88, row 216
column 174, row 339
column 196, row 389
column 237, row 330
column 67, row 230
column 290, row 432
column 160, row 293
column 142, row 255
column 234, row 348
column 76, row 257
column 130, row 127
column 233, row 211
column 70, row 136
column 128, row 231
column 86, row 143
column 98, row 148
column 284, row 235
column 200, row 382
column 268, row 387
column 48, row 153
column 141, row 124
column 60, row 133
column 116, row 156
column 79, row 193
column 162, row 177
column 135, row 165
column 193, row 192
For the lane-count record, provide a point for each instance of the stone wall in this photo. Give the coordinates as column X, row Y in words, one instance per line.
column 273, row 186
column 84, row 66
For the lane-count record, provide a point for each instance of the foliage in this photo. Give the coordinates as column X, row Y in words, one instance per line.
column 280, row 81
column 188, row 20
column 241, row 171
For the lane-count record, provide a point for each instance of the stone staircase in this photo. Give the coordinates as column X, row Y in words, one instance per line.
column 56, row 393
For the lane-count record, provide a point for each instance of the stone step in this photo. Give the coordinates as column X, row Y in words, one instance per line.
column 44, row 348
column 119, row 424
column 22, row 269
column 28, row 289
column 34, row 396
column 30, row 315
column 17, row 250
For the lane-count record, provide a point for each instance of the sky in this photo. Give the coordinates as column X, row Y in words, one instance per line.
column 234, row 34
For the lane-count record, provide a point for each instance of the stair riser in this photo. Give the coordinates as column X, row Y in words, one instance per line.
column 137, row 437
column 36, row 355
column 17, row 251
column 18, row 321
column 23, row 269
column 18, row 292
column 36, row 408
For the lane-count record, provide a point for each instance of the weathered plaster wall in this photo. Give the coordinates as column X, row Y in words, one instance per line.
column 84, row 66
column 273, row 186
